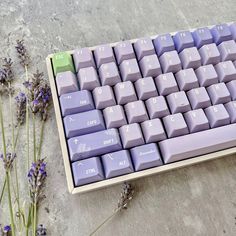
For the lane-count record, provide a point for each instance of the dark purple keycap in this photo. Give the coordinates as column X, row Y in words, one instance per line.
column 103, row 54
column 144, row 47
column 226, row 71
column 124, row 51
column 190, row 58
column 146, row 156
column 83, row 123
column 227, row 50
column 183, row 39
column 87, row 171
column 202, row 36
column 76, row 102
column 170, row 62
column 163, row 43
column 221, row 33
column 233, row 30
column 209, row 54
column 117, row 163
column 232, row 89
column 231, row 109
column 197, row 144
column 94, row 144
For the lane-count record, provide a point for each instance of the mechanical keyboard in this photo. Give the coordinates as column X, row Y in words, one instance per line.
column 138, row 107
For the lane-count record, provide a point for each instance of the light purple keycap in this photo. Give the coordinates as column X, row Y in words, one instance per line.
column 88, row 78
column 233, row 30
column 217, row 115
column 226, row 71
column 103, row 97
column 218, row 93
column 166, row 84
column 157, row 107
column 103, row 54
column 186, row 79
column 182, row 40
column 117, row 163
column 131, row 135
column 153, row 130
column 227, row 50
column 124, row 51
column 114, row 116
column 197, row 144
column 125, row 92
column 196, row 120
column 190, row 58
column 206, row 75
column 202, row 36
column 198, row 98
column 232, row 89
column 175, row 125
column 178, row 102
column 145, row 88
column 66, row 82
column 163, row 43
column 129, row 70
column 221, row 33
column 136, row 112
column 143, row 47
column 109, row 74
column 94, row 144
column 209, row 54
column 170, row 62
column 83, row 58
column 150, row 66
column 146, row 156
column 231, row 109
column 83, row 123
column 76, row 102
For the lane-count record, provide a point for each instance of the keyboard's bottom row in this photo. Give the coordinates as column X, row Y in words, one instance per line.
column 139, row 158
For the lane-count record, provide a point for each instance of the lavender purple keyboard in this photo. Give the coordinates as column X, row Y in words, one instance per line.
column 149, row 102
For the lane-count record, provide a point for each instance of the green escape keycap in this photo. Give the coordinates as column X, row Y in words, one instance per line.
column 62, row 61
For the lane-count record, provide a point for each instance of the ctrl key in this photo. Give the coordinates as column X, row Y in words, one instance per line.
column 87, row 171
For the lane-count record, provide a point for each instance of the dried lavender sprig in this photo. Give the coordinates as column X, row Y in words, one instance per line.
column 41, row 230
column 22, row 53
column 21, row 108
column 8, row 160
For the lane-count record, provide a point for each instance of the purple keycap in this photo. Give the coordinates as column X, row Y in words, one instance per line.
column 217, row 115
column 209, row 54
column 182, row 40
column 157, row 107
column 153, row 130
column 166, row 84
column 190, row 58
column 103, row 54
column 218, row 93
column 83, row 58
column 94, row 144
column 175, row 125
column 170, row 62
column 143, row 47
column 186, row 79
column 117, row 163
column 178, row 102
column 196, row 120
column 227, row 50
column 202, row 36
column 66, row 82
column 226, row 71
column 195, row 144
column 124, row 51
column 163, row 43
column 232, row 89
column 145, row 88
column 146, row 156
column 129, row 70
column 221, row 33
column 109, row 74
column 233, row 30
column 131, row 135
column 83, row 123
column 199, row 98
column 76, row 102
column 231, row 109
column 150, row 66
column 206, row 75
column 87, row 171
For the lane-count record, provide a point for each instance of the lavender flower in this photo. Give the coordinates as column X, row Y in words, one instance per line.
column 37, row 177
column 5, row 231
column 126, row 196
column 41, row 231
column 22, row 53
column 21, row 108
column 8, row 160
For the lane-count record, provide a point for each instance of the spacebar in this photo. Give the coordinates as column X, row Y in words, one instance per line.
column 195, row 144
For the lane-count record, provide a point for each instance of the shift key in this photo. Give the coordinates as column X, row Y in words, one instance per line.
column 94, row 144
